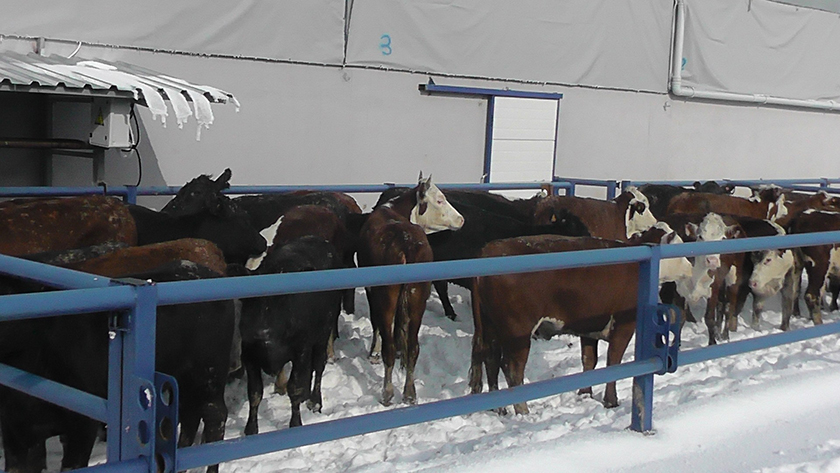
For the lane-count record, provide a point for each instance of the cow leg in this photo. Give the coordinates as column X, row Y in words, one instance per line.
column 740, row 302
column 513, row 359
column 255, row 395
column 78, row 442
column 588, row 358
column 319, row 363
column 214, row 413
column 300, row 384
column 618, row 341
column 758, row 308
column 813, row 295
column 478, row 358
column 281, row 382
column 834, row 290
column 383, row 306
column 442, row 288
column 790, row 295
column 190, row 417
column 417, row 295
column 375, row 308
column 668, row 295
column 711, row 309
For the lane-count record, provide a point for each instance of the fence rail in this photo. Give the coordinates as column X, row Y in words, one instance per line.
column 85, row 293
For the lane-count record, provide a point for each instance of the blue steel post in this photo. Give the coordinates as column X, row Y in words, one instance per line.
column 137, row 427
column 115, row 362
column 488, row 138
column 611, row 190
column 130, row 195
column 645, row 341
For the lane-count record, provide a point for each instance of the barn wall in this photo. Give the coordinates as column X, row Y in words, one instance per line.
column 311, row 121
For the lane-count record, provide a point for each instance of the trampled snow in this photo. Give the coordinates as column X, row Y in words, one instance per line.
column 772, row 411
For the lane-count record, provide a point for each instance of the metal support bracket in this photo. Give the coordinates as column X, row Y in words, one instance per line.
column 166, row 422
column 667, row 329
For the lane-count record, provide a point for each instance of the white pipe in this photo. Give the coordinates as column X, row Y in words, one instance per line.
column 690, row 92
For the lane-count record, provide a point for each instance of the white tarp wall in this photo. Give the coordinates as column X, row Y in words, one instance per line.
column 762, row 47
column 329, row 88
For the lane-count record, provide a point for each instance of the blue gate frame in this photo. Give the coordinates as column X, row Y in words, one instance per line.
column 134, row 447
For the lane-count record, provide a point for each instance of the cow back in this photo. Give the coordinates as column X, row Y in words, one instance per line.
column 39, row 225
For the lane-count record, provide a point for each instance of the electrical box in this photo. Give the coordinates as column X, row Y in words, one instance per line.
column 109, row 123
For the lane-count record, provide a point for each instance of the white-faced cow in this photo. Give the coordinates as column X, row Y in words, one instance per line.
column 618, row 219
column 395, row 233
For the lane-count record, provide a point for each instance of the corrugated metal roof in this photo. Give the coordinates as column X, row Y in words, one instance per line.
column 98, row 78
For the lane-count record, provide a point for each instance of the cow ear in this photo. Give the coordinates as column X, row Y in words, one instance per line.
column 691, row 230
column 668, row 238
column 733, row 231
column 223, row 181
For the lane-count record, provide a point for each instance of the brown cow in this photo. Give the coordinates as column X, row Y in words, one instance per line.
column 618, row 219
column 511, row 309
column 39, row 225
column 816, row 260
column 138, row 259
column 395, row 233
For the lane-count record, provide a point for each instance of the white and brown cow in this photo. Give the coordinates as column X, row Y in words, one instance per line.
column 617, row 219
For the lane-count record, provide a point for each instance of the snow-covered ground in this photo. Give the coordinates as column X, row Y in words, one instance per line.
column 773, row 411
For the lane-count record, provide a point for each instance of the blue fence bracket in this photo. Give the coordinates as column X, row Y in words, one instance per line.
column 667, row 328
column 166, row 423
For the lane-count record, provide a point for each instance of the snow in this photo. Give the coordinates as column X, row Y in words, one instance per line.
column 771, row 411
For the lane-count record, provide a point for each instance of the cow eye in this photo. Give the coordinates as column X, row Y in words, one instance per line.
column 767, row 261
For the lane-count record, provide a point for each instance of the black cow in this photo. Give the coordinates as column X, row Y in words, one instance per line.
column 230, row 230
column 290, row 328
column 192, row 344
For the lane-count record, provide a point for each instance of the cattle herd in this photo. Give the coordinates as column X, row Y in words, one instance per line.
column 202, row 233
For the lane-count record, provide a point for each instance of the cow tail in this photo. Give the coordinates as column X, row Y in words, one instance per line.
column 401, row 319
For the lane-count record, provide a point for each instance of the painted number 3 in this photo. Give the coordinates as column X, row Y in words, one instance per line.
column 385, row 45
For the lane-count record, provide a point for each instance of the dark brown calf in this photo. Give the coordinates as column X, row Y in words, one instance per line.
column 396, row 311
column 39, row 225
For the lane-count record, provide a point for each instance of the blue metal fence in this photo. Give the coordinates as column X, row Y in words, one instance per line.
column 134, row 447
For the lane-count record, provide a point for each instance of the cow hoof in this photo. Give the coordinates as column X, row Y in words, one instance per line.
column 313, row 406
column 610, row 404
column 502, row 411
column 375, row 359
column 451, row 316
column 251, row 429
column 585, row 392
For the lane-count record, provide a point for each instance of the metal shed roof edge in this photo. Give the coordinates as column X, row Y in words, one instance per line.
column 96, row 77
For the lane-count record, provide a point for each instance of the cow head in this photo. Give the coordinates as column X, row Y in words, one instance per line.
column 769, row 270
column 637, row 216
column 433, row 212
column 201, row 195
column 711, row 228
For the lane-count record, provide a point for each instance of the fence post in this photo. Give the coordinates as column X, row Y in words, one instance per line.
column 134, row 335
column 130, row 195
column 645, row 340
column 611, row 190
